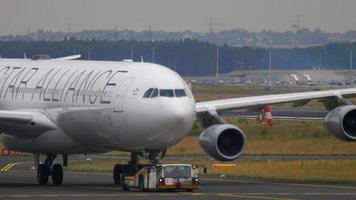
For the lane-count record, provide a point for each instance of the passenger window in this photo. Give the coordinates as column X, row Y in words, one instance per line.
column 148, row 93
column 180, row 93
column 166, row 93
column 154, row 93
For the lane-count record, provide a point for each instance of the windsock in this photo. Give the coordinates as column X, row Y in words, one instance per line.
column 268, row 113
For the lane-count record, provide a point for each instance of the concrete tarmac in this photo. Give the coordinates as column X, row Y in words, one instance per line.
column 19, row 182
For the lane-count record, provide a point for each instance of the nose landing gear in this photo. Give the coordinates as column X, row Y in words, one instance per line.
column 128, row 169
column 133, row 166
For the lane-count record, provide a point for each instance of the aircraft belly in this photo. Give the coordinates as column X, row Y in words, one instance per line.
column 88, row 127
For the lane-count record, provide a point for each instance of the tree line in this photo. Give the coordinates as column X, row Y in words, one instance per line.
column 190, row 57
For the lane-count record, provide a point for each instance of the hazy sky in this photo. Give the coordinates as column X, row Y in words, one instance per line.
column 175, row 15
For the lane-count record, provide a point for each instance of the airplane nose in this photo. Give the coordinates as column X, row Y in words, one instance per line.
column 181, row 111
column 176, row 120
column 179, row 121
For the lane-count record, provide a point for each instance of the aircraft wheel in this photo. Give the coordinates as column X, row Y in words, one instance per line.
column 141, row 185
column 43, row 172
column 117, row 173
column 123, row 184
column 57, row 174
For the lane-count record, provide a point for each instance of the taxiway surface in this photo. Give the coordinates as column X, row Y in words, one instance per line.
column 19, row 183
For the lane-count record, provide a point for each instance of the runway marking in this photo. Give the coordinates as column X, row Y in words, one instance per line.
column 8, row 167
column 327, row 193
column 166, row 194
column 103, row 187
column 252, row 196
column 293, row 194
column 17, row 182
column 276, row 183
column 5, row 167
column 196, row 194
column 90, row 173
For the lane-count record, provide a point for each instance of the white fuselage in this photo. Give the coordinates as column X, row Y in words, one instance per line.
column 96, row 106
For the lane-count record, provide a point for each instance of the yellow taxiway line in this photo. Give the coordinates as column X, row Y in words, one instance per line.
column 8, row 167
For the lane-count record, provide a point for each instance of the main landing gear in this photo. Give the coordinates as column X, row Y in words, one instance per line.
column 133, row 166
column 47, row 169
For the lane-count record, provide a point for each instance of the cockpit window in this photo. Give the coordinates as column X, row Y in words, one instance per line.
column 148, row 93
column 180, row 93
column 154, row 93
column 166, row 93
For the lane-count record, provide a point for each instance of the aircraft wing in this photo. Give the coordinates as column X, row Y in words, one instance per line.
column 331, row 97
column 25, row 124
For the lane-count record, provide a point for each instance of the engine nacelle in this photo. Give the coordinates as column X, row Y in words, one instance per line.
column 223, row 142
column 341, row 122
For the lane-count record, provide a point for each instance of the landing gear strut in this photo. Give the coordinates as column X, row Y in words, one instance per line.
column 133, row 166
column 46, row 169
column 129, row 169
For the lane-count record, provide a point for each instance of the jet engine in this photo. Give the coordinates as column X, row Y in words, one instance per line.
column 223, row 142
column 341, row 122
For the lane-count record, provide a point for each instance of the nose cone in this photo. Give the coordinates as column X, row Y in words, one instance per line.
column 181, row 112
column 180, row 116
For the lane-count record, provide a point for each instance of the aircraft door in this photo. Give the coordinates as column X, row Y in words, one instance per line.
column 122, row 94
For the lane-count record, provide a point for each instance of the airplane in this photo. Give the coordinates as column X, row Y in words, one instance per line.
column 63, row 106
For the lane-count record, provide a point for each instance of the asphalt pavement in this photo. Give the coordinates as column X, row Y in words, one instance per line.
column 18, row 182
